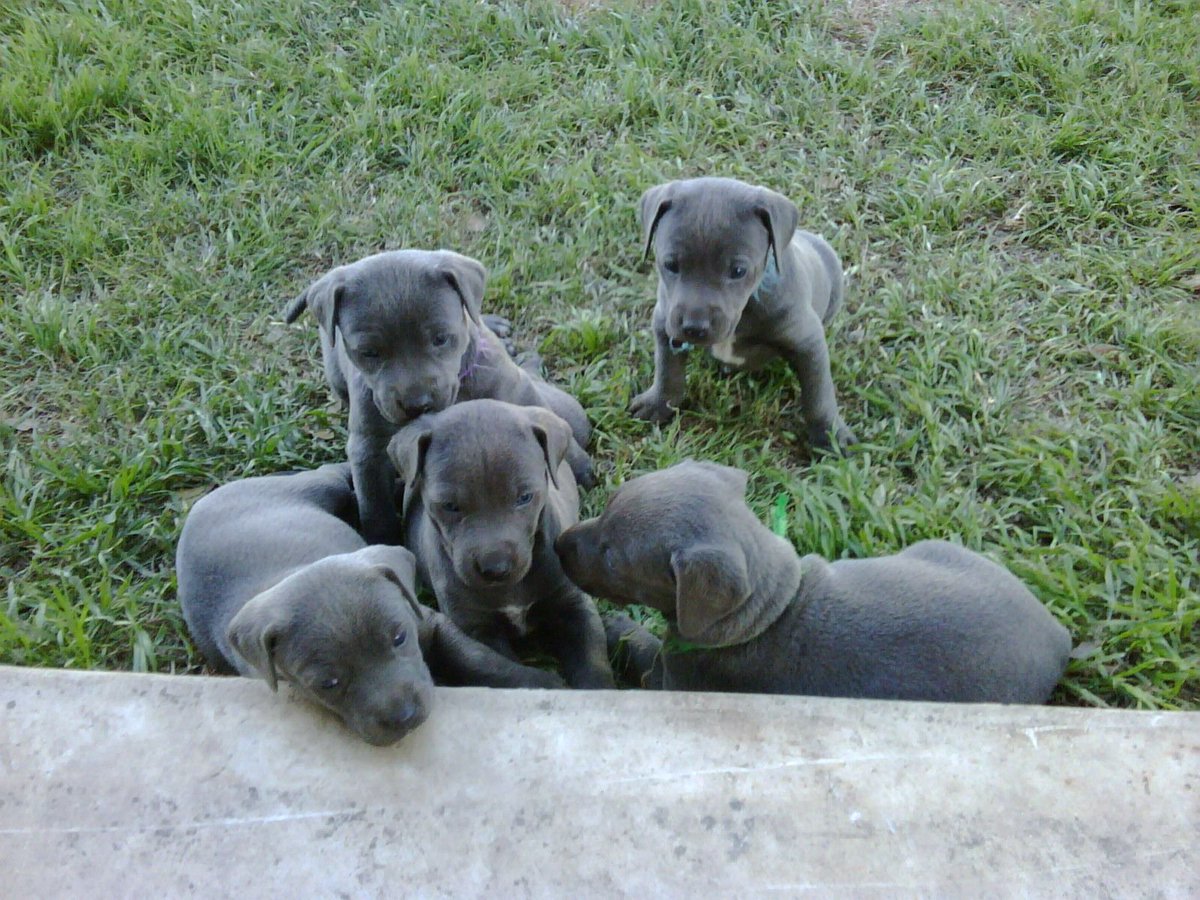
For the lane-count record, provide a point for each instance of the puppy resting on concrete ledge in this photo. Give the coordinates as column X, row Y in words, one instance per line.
column 735, row 276
column 487, row 491
column 744, row 613
column 275, row 582
column 402, row 335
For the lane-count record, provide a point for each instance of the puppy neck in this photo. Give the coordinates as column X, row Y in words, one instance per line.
column 769, row 281
column 475, row 353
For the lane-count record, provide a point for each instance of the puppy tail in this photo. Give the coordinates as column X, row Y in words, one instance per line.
column 295, row 308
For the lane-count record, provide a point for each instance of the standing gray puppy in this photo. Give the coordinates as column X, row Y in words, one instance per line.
column 745, row 613
column 276, row 583
column 735, row 276
column 402, row 335
column 487, row 492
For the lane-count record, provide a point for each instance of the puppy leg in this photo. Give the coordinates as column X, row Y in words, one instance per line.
column 372, row 472
column 635, row 652
column 660, row 402
column 456, row 659
column 502, row 329
column 575, row 635
column 810, row 359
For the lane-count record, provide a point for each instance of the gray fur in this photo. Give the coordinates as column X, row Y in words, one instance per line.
column 401, row 335
column 487, row 492
column 745, row 613
column 709, row 230
column 275, row 582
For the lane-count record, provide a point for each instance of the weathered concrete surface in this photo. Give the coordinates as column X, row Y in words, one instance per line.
column 138, row 785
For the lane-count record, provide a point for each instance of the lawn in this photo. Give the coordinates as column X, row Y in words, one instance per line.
column 1014, row 190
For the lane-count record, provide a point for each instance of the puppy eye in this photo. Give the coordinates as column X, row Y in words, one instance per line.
column 451, row 507
column 329, row 684
column 525, row 499
column 369, row 354
column 737, row 272
column 399, row 638
column 441, row 339
column 609, row 556
column 671, row 265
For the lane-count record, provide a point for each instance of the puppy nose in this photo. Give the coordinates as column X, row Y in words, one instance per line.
column 418, row 407
column 407, row 716
column 495, row 568
column 694, row 332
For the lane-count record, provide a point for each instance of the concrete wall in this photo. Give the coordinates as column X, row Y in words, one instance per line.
column 140, row 785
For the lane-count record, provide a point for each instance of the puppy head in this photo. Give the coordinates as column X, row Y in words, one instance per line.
column 668, row 540
column 712, row 238
column 483, row 470
column 406, row 319
column 344, row 632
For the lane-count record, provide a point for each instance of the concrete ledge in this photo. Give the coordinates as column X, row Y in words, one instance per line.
column 144, row 785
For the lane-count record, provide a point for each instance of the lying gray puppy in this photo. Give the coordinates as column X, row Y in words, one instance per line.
column 744, row 613
column 735, row 276
column 275, row 582
column 486, row 494
column 402, row 335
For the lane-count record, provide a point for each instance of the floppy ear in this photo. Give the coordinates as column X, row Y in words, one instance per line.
column 254, row 633
column 780, row 216
column 553, row 434
column 407, row 450
column 711, row 582
column 467, row 276
column 654, row 203
column 322, row 298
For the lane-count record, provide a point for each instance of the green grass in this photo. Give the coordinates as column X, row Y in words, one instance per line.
column 1014, row 190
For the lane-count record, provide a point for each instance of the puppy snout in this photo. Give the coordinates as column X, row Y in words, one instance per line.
column 405, row 717
column 696, row 331
column 419, row 407
column 494, row 566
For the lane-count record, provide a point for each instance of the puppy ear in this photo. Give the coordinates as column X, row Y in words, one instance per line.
column 654, row 203
column 467, row 276
column 255, row 632
column 711, row 582
column 553, row 434
column 322, row 297
column 396, row 564
column 780, row 216
column 407, row 450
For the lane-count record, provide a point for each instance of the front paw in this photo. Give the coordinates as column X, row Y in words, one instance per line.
column 839, row 439
column 593, row 680
column 582, row 469
column 547, row 681
column 498, row 325
column 652, row 407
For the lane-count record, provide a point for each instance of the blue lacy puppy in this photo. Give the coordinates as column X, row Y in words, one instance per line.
column 745, row 613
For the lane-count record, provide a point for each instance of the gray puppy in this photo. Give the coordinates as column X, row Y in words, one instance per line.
column 487, row 492
column 402, row 335
column 735, row 276
column 744, row 613
column 275, row 582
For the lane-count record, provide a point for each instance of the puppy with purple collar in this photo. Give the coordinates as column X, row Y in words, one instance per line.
column 402, row 335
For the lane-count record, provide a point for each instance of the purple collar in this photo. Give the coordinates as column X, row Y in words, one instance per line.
column 476, row 352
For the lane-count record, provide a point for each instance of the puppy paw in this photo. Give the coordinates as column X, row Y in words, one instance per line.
column 584, row 472
column 839, row 439
column 652, row 407
column 499, row 326
column 547, row 681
